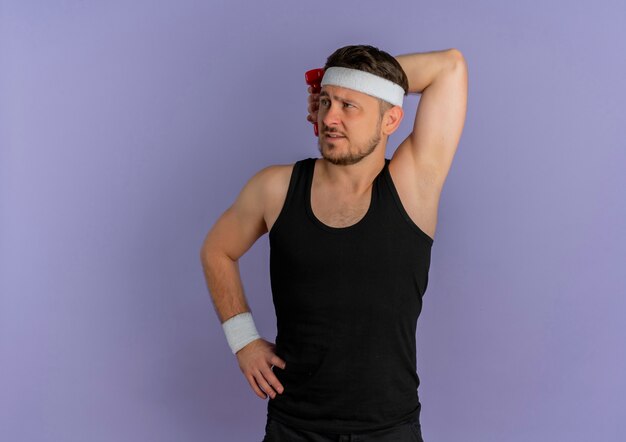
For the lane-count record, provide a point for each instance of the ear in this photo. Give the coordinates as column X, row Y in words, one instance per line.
column 391, row 119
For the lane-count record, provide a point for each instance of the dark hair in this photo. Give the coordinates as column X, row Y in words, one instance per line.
column 373, row 60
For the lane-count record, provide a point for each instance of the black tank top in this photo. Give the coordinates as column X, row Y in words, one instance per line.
column 347, row 301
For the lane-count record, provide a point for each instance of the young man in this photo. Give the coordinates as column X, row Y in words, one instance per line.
column 350, row 236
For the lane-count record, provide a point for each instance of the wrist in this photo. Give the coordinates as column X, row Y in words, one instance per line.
column 240, row 330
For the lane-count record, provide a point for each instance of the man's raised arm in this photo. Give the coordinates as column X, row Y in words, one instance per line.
column 441, row 78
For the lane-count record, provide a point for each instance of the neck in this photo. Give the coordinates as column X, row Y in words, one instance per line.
column 353, row 178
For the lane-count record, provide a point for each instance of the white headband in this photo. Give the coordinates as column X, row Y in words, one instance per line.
column 365, row 82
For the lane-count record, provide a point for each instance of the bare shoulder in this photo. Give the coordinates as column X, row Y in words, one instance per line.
column 275, row 186
column 247, row 218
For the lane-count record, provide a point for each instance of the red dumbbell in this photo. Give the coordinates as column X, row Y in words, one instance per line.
column 313, row 78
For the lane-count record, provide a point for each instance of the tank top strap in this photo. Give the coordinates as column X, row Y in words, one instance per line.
column 294, row 200
column 379, row 196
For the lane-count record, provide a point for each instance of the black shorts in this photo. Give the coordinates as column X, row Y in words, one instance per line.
column 408, row 431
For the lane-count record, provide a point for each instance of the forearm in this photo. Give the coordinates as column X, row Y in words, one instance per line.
column 422, row 68
column 225, row 286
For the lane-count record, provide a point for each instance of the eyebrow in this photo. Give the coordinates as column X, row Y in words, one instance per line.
column 335, row 97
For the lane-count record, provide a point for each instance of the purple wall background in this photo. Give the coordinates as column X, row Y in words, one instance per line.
column 126, row 129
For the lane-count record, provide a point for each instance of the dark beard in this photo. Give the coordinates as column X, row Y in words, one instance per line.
column 350, row 158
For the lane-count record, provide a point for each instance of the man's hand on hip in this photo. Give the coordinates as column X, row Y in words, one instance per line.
column 256, row 360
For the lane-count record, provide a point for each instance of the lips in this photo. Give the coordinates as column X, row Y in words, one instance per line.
column 333, row 136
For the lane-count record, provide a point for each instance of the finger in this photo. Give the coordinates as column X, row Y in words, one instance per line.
column 260, row 378
column 278, row 362
column 273, row 380
column 309, row 89
column 255, row 387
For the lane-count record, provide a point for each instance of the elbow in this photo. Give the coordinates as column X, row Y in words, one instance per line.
column 206, row 252
column 208, row 247
column 455, row 54
column 457, row 58
column 209, row 255
column 204, row 256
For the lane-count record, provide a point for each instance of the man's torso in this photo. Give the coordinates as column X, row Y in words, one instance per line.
column 348, row 273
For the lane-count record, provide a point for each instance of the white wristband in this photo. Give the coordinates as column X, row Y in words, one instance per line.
column 240, row 331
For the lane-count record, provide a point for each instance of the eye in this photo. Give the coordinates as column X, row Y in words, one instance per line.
column 325, row 102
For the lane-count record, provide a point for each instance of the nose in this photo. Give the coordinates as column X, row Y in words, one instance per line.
column 330, row 115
